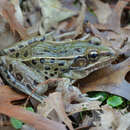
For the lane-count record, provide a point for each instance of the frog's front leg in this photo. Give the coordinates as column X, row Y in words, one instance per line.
column 22, row 77
column 70, row 92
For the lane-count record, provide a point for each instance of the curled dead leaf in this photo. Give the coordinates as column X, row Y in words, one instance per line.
column 113, row 20
column 55, row 102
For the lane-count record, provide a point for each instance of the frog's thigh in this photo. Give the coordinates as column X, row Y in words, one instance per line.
column 21, row 76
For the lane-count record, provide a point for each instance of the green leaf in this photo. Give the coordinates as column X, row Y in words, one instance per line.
column 30, row 109
column 81, row 115
column 114, row 101
column 17, row 124
column 128, row 102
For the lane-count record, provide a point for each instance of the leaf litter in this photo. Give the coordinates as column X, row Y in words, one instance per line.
column 29, row 18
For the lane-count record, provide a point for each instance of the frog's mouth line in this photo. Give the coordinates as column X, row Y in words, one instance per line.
column 99, row 65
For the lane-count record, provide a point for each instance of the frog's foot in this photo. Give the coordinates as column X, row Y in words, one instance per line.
column 71, row 93
column 22, row 77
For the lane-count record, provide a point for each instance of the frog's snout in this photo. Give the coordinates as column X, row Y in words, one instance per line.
column 111, row 53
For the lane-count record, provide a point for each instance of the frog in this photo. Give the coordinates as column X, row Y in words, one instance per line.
column 28, row 63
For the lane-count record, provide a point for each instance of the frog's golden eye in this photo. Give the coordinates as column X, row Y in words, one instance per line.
column 80, row 62
column 93, row 55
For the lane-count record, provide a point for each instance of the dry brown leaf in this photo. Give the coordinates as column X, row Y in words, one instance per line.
column 33, row 119
column 8, row 12
column 109, row 118
column 89, row 121
column 18, row 12
column 124, row 123
column 53, row 12
column 102, row 11
column 90, row 105
column 80, row 19
column 112, row 30
column 110, row 38
column 113, row 21
column 54, row 101
column 112, row 119
column 111, row 79
column 7, row 95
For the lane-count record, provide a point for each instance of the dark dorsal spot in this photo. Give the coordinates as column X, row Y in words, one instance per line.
column 17, row 54
column 55, row 72
column 94, row 42
column 34, row 62
column 46, row 78
column 8, row 77
column 46, row 50
column 5, row 71
column 61, row 51
column 43, row 38
column 28, row 85
column 46, row 72
column 30, row 42
column 14, row 82
column 42, row 60
column 26, row 53
column 63, row 70
column 11, row 50
column 97, row 43
column 90, row 42
column 19, row 76
column 1, row 63
column 52, row 61
column 10, row 67
column 77, row 49
column 51, row 74
column 35, row 82
column 56, row 69
column 20, row 46
column 61, row 64
column 47, row 68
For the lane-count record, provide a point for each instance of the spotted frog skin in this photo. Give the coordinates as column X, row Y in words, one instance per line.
column 28, row 63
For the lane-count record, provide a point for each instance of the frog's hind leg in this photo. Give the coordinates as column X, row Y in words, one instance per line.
column 22, row 77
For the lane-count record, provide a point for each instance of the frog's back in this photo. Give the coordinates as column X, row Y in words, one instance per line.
column 51, row 49
column 56, row 50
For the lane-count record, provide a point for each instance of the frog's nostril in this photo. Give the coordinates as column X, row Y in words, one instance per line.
column 109, row 54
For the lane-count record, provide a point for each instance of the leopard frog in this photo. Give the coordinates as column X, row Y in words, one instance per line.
column 28, row 63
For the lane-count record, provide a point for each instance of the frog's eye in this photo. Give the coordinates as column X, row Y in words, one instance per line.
column 93, row 55
column 80, row 62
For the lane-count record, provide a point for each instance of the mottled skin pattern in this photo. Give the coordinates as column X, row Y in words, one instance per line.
column 29, row 63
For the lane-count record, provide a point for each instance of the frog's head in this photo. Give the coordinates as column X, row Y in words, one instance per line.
column 92, row 56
